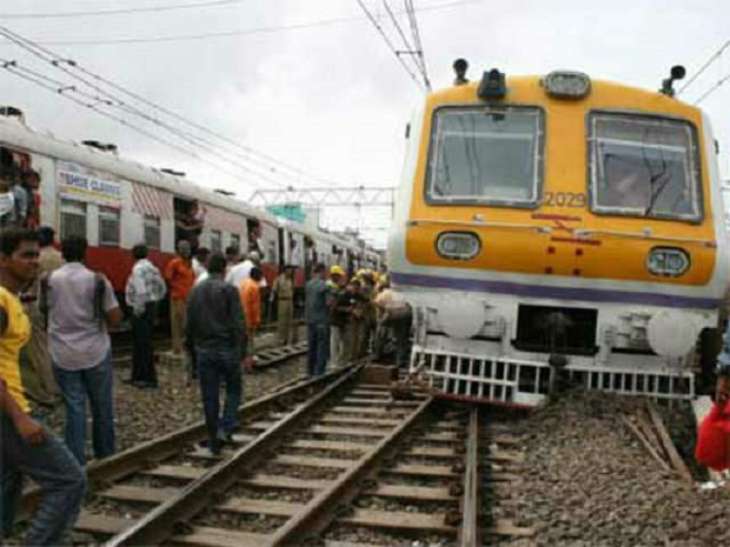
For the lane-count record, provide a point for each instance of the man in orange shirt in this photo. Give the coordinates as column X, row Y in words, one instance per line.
column 251, row 301
column 180, row 276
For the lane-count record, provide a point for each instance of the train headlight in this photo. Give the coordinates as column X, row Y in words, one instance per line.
column 564, row 84
column 667, row 261
column 458, row 245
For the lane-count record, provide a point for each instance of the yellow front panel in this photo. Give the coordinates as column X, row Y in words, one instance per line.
column 516, row 248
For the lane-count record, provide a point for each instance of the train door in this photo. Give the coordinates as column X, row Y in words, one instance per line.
column 253, row 227
column 189, row 220
column 283, row 258
column 310, row 256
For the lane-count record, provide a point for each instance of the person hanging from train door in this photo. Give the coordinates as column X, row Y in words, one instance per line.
column 316, row 315
column 180, row 276
column 283, row 292
column 81, row 307
column 27, row 448
column 21, row 199
column 31, row 181
column 7, row 199
column 250, row 292
column 216, row 331
column 145, row 288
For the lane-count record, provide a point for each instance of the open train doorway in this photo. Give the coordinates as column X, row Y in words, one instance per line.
column 253, row 228
column 189, row 220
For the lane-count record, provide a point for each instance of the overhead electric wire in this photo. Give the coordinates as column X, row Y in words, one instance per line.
column 411, row 11
column 712, row 89
column 388, row 42
column 414, row 52
column 114, row 102
column 68, row 67
column 243, row 32
column 10, row 67
column 704, row 67
column 118, row 11
column 394, row 19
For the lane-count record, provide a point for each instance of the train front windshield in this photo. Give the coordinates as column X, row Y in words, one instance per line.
column 643, row 166
column 486, row 155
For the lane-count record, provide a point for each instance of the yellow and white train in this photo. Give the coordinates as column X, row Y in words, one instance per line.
column 558, row 222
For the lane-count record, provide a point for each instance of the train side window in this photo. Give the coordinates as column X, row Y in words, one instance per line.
column 215, row 240
column 236, row 241
column 109, row 226
column 152, row 231
column 73, row 218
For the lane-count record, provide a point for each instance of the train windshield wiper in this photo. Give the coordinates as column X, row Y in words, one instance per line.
column 654, row 177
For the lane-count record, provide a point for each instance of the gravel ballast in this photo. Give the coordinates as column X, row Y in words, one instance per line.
column 587, row 481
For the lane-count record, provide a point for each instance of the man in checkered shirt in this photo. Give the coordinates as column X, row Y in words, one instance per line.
column 145, row 287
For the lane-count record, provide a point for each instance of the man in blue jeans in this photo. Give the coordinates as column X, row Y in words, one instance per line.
column 215, row 330
column 316, row 314
column 81, row 304
column 26, row 447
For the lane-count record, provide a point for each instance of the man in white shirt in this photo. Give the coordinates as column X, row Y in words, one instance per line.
column 240, row 272
column 145, row 287
column 199, row 262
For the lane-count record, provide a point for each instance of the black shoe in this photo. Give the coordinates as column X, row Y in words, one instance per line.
column 215, row 449
column 148, row 385
column 225, row 438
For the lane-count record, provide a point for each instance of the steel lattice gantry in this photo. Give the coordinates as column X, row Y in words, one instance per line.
column 355, row 196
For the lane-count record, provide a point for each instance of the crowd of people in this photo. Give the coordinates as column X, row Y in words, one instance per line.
column 55, row 317
column 348, row 318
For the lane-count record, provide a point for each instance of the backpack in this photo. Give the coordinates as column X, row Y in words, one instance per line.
column 98, row 304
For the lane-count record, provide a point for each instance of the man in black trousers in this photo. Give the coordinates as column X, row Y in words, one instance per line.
column 145, row 287
column 215, row 330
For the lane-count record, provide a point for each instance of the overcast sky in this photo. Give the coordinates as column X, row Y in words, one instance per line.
column 319, row 88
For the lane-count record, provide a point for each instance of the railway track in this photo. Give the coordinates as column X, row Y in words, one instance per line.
column 267, row 355
column 128, row 466
column 334, row 461
column 122, row 344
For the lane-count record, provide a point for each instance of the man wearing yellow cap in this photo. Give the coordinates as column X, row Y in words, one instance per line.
column 336, row 282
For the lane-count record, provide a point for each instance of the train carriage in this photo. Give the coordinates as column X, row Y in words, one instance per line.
column 558, row 225
column 86, row 189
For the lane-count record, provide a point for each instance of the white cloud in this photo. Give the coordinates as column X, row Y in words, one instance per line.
column 332, row 99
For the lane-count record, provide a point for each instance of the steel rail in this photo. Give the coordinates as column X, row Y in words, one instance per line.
column 172, row 516
column 320, row 512
column 469, row 531
column 148, row 454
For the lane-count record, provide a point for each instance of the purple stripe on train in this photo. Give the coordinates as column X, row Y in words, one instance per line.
column 560, row 293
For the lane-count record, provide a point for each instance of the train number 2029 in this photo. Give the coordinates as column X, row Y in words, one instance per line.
column 564, row 199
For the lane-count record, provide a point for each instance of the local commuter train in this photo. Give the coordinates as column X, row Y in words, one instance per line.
column 87, row 189
column 559, row 225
